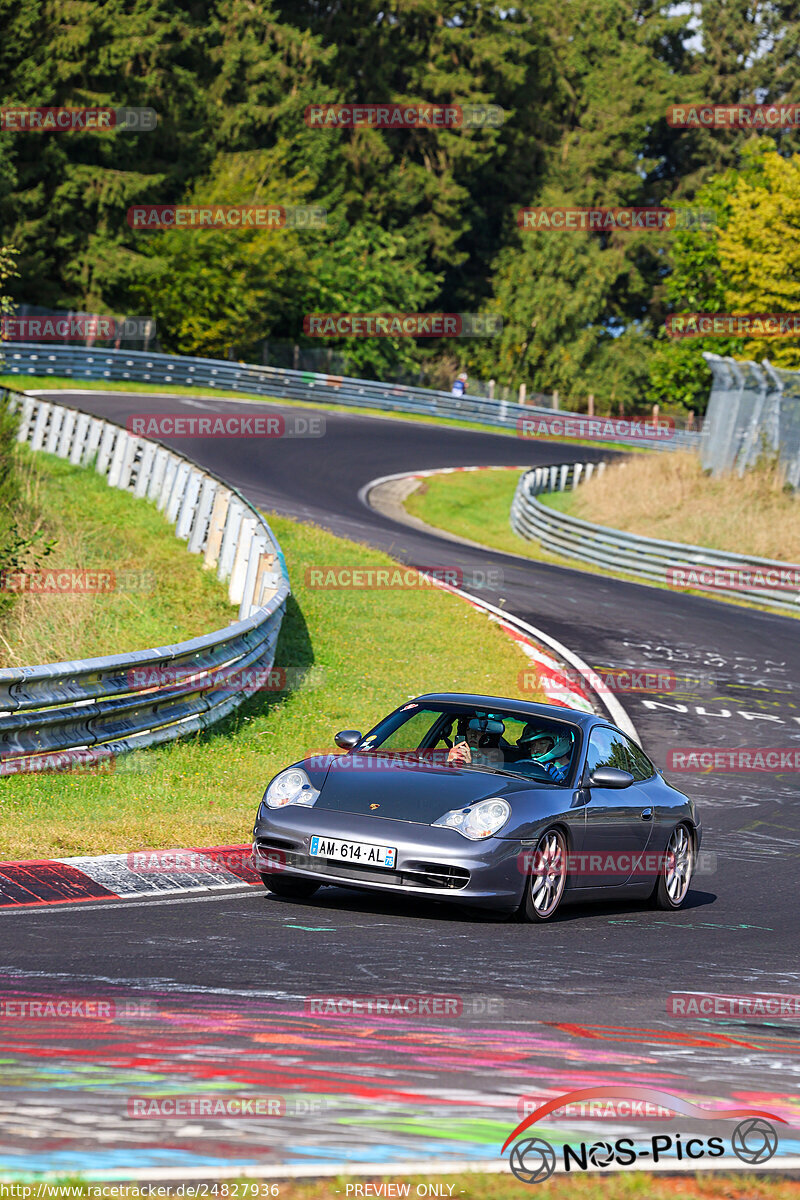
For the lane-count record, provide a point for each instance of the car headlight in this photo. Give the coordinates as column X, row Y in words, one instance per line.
column 479, row 821
column 291, row 787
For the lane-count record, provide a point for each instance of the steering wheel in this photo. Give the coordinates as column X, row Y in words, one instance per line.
column 527, row 766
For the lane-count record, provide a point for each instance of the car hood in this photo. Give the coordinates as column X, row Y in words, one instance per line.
column 378, row 786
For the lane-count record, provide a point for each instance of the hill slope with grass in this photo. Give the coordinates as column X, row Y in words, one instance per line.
column 670, row 496
column 122, row 580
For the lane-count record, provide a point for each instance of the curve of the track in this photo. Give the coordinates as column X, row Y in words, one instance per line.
column 752, row 659
column 615, row 963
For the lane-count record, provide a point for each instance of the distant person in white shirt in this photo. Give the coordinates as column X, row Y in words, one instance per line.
column 459, row 384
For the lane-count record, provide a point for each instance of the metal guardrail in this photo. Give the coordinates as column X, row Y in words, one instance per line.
column 78, row 362
column 646, row 558
column 105, row 706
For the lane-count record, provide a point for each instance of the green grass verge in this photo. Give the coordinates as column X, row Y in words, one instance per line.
column 34, row 382
column 477, row 504
column 157, row 592
column 561, row 501
column 360, row 654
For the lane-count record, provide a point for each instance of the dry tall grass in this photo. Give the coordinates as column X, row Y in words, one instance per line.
column 669, row 496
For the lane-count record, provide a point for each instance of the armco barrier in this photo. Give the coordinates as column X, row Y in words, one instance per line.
column 646, row 558
column 78, row 362
column 91, row 705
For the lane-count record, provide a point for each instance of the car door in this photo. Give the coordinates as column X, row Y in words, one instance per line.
column 618, row 821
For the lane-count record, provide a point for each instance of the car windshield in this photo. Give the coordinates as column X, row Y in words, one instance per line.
column 507, row 743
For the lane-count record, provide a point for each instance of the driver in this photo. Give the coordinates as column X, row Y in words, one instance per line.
column 481, row 746
column 550, row 750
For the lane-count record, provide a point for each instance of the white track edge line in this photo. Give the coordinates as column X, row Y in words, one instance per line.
column 610, row 703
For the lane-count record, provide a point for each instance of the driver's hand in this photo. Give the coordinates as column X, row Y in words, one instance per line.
column 460, row 753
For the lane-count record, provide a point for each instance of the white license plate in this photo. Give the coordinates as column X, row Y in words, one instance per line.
column 358, row 852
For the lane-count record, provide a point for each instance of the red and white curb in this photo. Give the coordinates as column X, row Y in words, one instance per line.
column 124, row 876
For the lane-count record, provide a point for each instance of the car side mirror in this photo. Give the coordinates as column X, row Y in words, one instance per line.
column 347, row 739
column 610, row 777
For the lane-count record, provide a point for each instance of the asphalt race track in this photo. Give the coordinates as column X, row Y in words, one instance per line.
column 222, row 982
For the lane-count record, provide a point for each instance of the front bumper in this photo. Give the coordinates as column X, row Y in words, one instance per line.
column 434, row 862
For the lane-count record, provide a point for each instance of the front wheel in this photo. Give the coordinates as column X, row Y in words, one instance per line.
column 546, row 882
column 676, row 870
column 291, row 889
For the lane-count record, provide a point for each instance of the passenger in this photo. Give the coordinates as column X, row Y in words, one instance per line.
column 481, row 744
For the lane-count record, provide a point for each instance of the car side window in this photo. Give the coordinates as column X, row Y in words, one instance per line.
column 605, row 750
column 641, row 767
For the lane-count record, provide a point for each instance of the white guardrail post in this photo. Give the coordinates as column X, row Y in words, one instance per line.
column 89, row 706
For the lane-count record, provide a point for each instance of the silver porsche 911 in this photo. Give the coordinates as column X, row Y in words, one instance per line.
column 503, row 804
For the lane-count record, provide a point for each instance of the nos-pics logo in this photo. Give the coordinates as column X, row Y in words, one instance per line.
column 754, row 1140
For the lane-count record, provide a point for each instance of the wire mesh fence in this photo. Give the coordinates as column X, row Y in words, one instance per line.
column 753, row 413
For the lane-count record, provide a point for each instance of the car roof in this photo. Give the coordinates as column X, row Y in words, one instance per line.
column 525, row 708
